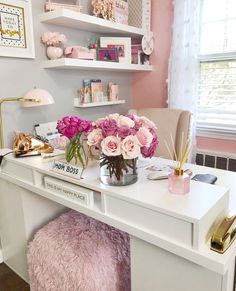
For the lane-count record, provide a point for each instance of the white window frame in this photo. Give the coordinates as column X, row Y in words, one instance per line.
column 206, row 129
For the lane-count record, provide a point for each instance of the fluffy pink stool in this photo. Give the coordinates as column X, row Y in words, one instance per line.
column 77, row 253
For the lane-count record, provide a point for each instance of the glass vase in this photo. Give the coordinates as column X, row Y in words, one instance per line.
column 117, row 171
column 76, row 153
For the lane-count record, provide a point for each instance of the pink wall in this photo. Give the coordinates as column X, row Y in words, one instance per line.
column 218, row 145
column 150, row 89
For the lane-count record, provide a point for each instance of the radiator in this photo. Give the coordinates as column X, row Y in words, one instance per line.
column 224, row 161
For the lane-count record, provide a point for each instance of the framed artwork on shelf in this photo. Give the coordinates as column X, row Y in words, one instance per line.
column 107, row 54
column 16, row 29
column 97, row 91
column 122, row 44
column 140, row 14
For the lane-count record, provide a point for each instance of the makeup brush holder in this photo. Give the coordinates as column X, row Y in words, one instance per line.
column 178, row 182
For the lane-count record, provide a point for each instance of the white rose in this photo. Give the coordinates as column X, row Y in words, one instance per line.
column 111, row 146
column 130, row 147
column 95, row 137
column 114, row 116
column 147, row 122
column 125, row 121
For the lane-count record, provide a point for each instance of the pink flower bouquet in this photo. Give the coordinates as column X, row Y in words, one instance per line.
column 53, row 38
column 121, row 140
column 75, row 129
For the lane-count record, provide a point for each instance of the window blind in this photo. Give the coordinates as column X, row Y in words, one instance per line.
column 217, row 83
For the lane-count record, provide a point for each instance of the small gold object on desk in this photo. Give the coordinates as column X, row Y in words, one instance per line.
column 225, row 234
column 26, row 145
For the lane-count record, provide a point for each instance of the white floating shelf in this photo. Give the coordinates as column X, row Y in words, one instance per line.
column 96, row 104
column 67, row 63
column 81, row 21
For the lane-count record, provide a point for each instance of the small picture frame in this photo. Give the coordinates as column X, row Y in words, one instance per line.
column 122, row 44
column 145, row 59
column 107, row 54
column 16, row 29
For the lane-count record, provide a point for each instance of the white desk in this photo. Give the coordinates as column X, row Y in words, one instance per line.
column 169, row 234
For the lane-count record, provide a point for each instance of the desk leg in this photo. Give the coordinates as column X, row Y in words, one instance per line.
column 155, row 269
column 22, row 213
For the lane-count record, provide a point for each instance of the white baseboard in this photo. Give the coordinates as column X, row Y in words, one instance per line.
column 1, row 258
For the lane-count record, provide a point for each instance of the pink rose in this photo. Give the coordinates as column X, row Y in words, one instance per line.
column 144, row 137
column 111, row 146
column 148, row 152
column 130, row 147
column 136, row 119
column 147, row 122
column 124, row 131
column 100, row 121
column 109, row 127
column 95, row 137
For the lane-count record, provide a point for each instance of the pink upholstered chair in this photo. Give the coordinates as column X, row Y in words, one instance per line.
column 169, row 122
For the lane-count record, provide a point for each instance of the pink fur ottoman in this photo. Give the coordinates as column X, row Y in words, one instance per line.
column 77, row 253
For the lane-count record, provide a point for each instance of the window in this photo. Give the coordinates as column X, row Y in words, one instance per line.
column 217, row 86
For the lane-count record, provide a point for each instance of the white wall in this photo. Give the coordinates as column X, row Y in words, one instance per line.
column 17, row 76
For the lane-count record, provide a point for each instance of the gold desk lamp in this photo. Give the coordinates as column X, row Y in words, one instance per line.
column 35, row 97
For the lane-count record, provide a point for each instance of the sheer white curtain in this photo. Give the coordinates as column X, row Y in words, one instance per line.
column 184, row 62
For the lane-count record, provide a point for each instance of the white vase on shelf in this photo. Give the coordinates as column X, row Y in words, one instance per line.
column 54, row 52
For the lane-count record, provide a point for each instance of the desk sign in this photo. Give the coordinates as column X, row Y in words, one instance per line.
column 67, row 169
column 71, row 191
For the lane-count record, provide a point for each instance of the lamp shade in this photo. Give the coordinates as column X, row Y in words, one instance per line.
column 43, row 96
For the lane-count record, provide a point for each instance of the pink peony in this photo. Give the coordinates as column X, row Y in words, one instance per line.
column 85, row 126
column 95, row 137
column 111, row 146
column 70, row 126
column 144, row 137
column 130, row 147
column 53, row 38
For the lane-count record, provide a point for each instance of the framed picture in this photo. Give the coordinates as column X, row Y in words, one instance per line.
column 122, row 44
column 16, row 29
column 107, row 54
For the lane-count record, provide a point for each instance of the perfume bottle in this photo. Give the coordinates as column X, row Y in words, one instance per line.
column 178, row 182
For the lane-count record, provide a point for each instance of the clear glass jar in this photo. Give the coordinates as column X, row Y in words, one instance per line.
column 116, row 171
column 76, row 152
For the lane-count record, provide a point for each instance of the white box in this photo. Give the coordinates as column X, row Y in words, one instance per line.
column 68, row 190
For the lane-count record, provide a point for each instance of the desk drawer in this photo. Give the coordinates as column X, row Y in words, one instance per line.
column 18, row 171
column 151, row 221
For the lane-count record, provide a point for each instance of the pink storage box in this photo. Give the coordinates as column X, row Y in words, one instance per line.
column 50, row 6
column 78, row 52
